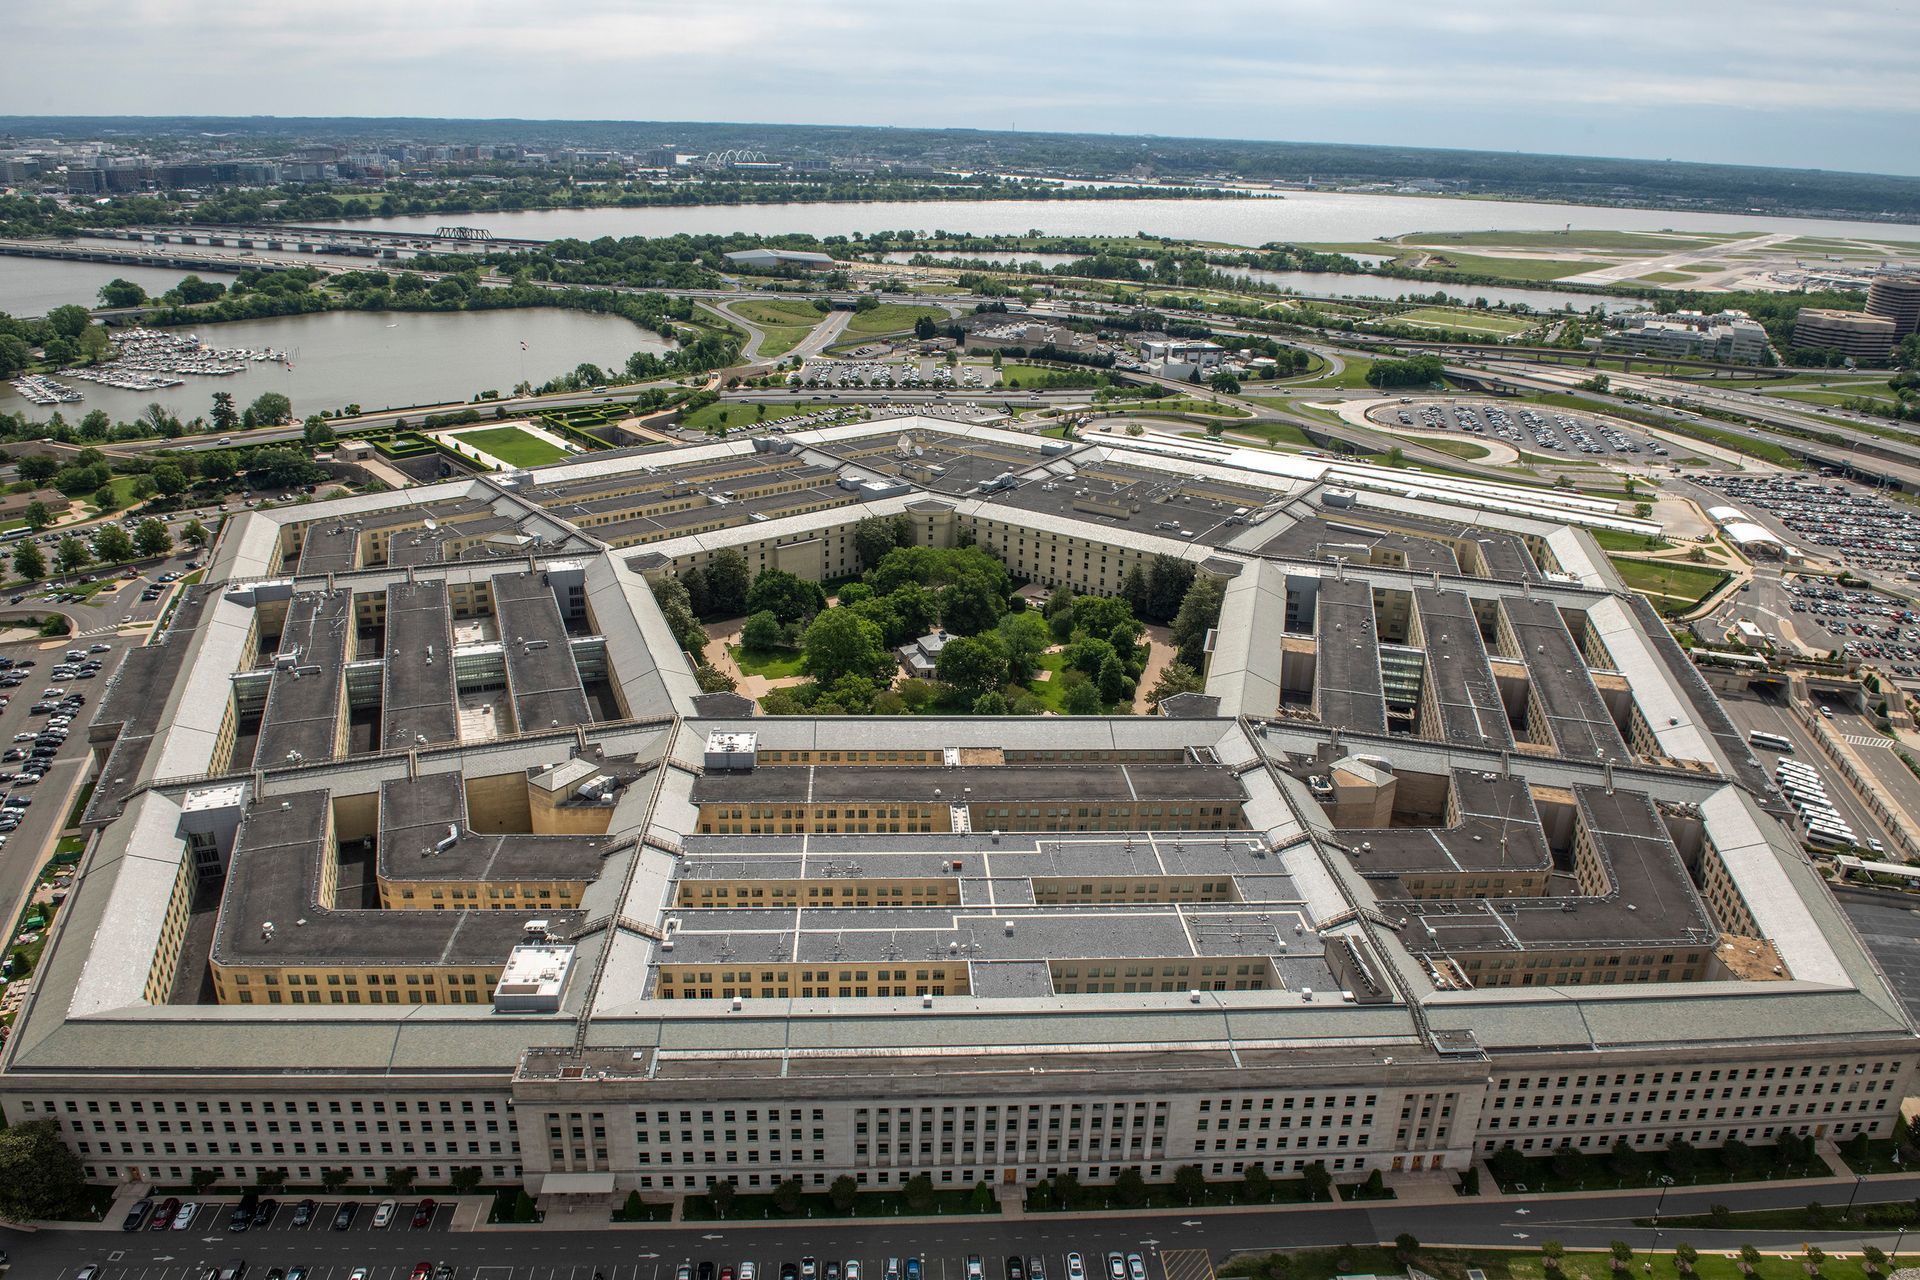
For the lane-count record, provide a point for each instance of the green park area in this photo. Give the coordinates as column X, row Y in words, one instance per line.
column 512, row 445
column 1077, row 655
column 1678, row 1260
column 1473, row 264
column 1579, row 241
column 786, row 322
column 722, row 414
column 1672, row 587
column 1465, row 319
column 892, row 317
column 1616, row 540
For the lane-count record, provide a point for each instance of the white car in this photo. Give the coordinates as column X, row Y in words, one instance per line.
column 383, row 1216
column 1076, row 1267
column 184, row 1219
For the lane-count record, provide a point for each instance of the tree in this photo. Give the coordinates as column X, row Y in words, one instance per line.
column 111, row 545
column 1082, row 699
column 1684, row 1257
column 271, row 410
column 29, row 562
column 317, row 433
column 204, row 1178
column 712, row 679
column 844, row 1193
column 270, row 1179
column 152, row 538
column 970, row 606
column 400, row 1178
column 1749, row 1259
column 1405, row 1245
column 40, row 1176
column 1066, row 1189
column 1621, row 1253
column 71, row 555
column 224, row 417
column 1225, row 383
column 1318, row 1180
column 121, row 293
column 1552, row 1254
column 787, row 597
column 194, row 534
column 1026, row 637
column 1872, row 1255
column 974, row 664
column 720, row 1196
column 332, row 1179
column 839, row 642
column 1130, row 1189
column 1623, row 1160
column 1374, row 1186
column 169, row 479
column 873, row 537
column 465, row 1179
column 918, row 1193
column 193, row 289
column 1259, row 1187
column 1813, row 1256
column 1199, row 612
column 990, row 703
column 787, row 1196
column 37, row 468
column 1508, row 1165
column 1720, row 1216
column 1115, row 684
column 727, row 581
column 634, row 1207
column 763, row 631
column 69, row 321
column 1178, row 677
column 37, row 515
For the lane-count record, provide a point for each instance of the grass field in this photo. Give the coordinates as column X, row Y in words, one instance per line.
column 1463, row 449
column 1674, row 587
column 1665, row 277
column 1593, row 239
column 1276, row 434
column 1353, row 375
column 1614, row 540
column 1507, row 268
column 1180, row 404
column 1472, row 321
column 512, row 445
column 774, row 664
column 786, row 323
column 1836, row 396
column 725, row 413
column 892, row 317
column 1718, row 1263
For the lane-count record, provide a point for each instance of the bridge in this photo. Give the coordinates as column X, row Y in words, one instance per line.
column 464, row 233
column 335, row 241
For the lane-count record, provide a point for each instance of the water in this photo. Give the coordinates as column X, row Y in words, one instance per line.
column 381, row 360
column 1301, row 217
column 1330, row 284
column 35, row 286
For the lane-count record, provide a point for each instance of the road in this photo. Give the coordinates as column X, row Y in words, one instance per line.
column 1749, row 712
column 1170, row 1244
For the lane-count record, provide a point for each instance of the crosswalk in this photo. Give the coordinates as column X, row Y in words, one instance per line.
column 1187, row 1264
column 1866, row 740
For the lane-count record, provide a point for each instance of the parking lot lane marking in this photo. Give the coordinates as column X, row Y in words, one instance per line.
column 1187, row 1264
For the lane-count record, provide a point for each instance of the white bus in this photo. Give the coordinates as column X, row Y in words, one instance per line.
column 1769, row 741
column 1822, row 838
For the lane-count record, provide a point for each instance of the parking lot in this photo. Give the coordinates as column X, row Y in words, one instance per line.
column 620, row 1263
column 295, row 1214
column 1844, row 521
column 1750, row 712
column 1551, row 431
column 909, row 374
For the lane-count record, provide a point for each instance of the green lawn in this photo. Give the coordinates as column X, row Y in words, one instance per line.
column 1665, row 277
column 1464, row 319
column 1506, row 268
column 1179, row 404
column 512, row 445
column 786, row 323
column 1877, row 392
column 723, row 413
column 892, row 317
column 1719, row 1263
column 1051, row 692
column 122, row 487
column 1674, row 587
column 1465, row 450
column 1614, row 540
column 774, row 664
column 1276, row 434
column 1666, row 242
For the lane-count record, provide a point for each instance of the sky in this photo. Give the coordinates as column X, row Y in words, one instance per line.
column 1776, row 82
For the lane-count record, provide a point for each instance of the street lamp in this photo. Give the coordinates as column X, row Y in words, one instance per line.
column 1858, row 1179
column 1665, row 1183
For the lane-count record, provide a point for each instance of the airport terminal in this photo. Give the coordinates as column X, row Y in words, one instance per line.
column 416, row 844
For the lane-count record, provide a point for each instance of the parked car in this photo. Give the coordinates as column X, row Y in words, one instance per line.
column 423, row 1214
column 164, row 1215
column 184, row 1219
column 137, row 1215
column 343, row 1216
column 383, row 1213
column 303, row 1213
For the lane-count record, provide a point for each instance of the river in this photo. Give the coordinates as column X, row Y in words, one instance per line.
column 1302, row 217
column 35, row 286
column 381, row 360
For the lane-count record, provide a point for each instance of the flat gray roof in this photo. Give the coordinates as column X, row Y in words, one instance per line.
column 970, row 784
column 541, row 677
column 417, row 817
column 1347, row 687
column 1465, row 694
column 1578, row 720
column 417, row 704
column 301, row 722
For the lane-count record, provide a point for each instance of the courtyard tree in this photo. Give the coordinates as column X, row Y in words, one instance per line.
column 152, row 538
column 29, row 561
column 271, row 409
column 839, row 642
column 727, row 581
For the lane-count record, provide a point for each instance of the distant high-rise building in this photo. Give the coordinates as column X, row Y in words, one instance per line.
column 1895, row 296
column 1851, row 333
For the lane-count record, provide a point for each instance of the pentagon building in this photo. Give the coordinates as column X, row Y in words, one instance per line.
column 416, row 844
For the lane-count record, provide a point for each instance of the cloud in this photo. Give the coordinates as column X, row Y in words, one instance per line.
column 1646, row 77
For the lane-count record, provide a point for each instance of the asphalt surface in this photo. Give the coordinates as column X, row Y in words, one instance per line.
column 1170, row 1245
column 1889, row 924
column 1750, row 712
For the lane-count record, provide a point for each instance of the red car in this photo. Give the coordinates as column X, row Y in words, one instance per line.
column 163, row 1215
column 423, row 1216
column 422, row 1271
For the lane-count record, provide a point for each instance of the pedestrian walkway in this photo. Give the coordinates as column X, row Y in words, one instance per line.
column 1866, row 740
